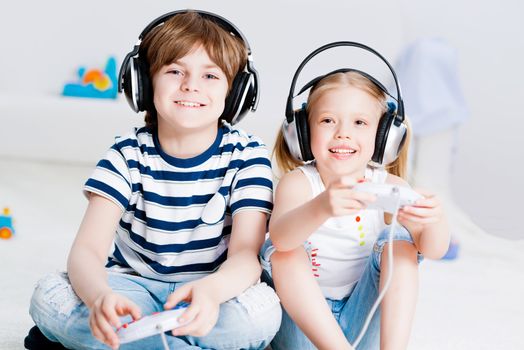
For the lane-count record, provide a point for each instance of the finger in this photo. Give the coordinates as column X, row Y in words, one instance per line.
column 365, row 197
column 107, row 333
column 190, row 313
column 417, row 218
column 97, row 333
column 192, row 327
column 127, row 307
column 419, row 211
column 110, row 314
column 180, row 294
column 425, row 192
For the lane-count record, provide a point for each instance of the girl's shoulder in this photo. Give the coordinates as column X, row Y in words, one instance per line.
column 396, row 180
column 294, row 180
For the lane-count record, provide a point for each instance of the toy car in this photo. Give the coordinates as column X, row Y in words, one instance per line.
column 6, row 225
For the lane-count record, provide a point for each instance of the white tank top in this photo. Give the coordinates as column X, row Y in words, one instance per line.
column 341, row 246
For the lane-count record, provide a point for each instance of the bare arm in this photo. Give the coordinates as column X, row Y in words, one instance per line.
column 87, row 273
column 88, row 254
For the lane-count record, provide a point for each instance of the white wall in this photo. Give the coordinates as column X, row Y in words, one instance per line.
column 45, row 42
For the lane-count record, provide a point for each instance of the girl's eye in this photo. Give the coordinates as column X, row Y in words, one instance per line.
column 360, row 122
column 327, row 120
column 210, row 76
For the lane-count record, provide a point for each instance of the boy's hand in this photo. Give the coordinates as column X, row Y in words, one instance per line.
column 203, row 309
column 105, row 313
column 340, row 199
column 426, row 211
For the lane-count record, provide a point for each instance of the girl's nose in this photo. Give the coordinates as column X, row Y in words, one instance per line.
column 343, row 132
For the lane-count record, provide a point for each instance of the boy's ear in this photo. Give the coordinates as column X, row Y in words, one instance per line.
column 240, row 98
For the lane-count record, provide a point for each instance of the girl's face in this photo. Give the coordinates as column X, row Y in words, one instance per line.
column 189, row 94
column 343, row 125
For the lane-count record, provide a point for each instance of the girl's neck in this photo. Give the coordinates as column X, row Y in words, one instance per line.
column 186, row 144
column 328, row 177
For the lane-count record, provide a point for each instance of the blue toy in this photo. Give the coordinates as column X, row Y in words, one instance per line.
column 94, row 83
column 6, row 225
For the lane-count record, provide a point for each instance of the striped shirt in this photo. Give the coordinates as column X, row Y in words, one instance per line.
column 177, row 213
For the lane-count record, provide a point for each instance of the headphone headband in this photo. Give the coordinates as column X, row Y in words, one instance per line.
column 221, row 21
column 289, row 106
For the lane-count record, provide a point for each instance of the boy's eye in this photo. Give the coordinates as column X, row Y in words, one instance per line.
column 174, row 71
column 326, row 120
column 210, row 76
column 361, row 122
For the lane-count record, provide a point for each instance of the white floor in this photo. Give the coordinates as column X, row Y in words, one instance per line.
column 474, row 302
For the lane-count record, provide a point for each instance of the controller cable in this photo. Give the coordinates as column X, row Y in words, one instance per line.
column 163, row 336
column 396, row 193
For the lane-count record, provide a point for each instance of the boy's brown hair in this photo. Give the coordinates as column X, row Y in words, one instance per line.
column 184, row 32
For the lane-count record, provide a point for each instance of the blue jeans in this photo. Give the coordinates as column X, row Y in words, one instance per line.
column 248, row 321
column 350, row 312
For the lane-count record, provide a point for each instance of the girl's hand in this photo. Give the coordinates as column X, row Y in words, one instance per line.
column 202, row 311
column 426, row 211
column 105, row 313
column 340, row 199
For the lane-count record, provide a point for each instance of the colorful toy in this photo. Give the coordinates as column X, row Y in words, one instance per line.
column 95, row 83
column 6, row 225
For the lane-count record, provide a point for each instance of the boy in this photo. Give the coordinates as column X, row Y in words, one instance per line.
column 188, row 196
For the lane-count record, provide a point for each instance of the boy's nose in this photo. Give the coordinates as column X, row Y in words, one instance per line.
column 189, row 84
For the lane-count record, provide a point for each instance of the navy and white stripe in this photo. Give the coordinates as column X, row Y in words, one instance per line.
column 165, row 232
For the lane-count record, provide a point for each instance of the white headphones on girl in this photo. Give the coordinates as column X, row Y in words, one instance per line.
column 391, row 131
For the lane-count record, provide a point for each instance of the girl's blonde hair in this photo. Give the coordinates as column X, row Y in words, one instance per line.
column 176, row 38
column 286, row 162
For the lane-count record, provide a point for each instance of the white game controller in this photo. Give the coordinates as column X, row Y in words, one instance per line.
column 389, row 197
column 156, row 323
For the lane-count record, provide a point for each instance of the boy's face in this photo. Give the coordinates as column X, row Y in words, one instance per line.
column 189, row 94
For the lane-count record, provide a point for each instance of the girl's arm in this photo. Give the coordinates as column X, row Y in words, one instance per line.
column 240, row 271
column 86, row 271
column 296, row 216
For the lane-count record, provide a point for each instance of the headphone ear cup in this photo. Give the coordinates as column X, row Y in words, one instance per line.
column 391, row 136
column 301, row 120
column 144, row 90
column 239, row 99
column 382, row 137
column 128, row 83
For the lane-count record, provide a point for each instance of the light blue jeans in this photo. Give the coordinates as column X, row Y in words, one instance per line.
column 350, row 312
column 248, row 321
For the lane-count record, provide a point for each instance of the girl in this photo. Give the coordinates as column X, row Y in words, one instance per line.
column 327, row 255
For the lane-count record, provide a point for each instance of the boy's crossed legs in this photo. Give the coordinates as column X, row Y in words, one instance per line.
column 248, row 321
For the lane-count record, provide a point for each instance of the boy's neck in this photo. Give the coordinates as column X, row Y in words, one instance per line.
column 186, row 144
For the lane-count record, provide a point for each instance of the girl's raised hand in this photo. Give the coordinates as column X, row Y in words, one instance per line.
column 105, row 313
column 427, row 210
column 340, row 199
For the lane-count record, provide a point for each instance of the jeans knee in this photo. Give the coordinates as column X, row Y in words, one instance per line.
column 249, row 321
column 54, row 295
